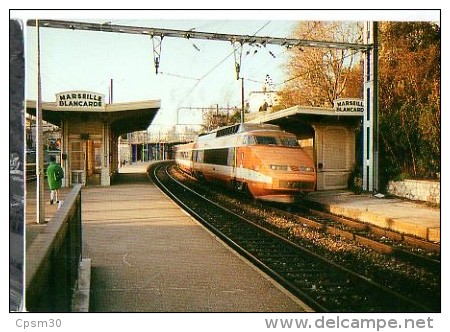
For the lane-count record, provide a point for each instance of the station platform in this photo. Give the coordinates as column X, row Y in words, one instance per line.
column 147, row 255
column 400, row 215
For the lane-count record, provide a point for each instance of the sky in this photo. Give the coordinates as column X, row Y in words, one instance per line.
column 75, row 60
column 192, row 73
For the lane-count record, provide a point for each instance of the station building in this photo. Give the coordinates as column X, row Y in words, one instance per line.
column 329, row 135
column 90, row 131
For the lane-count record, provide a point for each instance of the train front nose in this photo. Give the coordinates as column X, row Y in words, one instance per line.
column 291, row 172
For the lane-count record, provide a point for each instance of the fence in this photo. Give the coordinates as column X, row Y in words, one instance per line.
column 53, row 259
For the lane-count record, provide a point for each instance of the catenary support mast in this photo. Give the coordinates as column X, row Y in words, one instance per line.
column 40, row 207
column 370, row 121
column 369, row 48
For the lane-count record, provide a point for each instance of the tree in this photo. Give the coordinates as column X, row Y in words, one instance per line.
column 214, row 119
column 409, row 98
column 318, row 76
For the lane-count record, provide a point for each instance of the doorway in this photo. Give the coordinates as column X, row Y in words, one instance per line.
column 93, row 161
column 86, row 161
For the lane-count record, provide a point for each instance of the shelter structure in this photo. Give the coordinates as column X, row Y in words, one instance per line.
column 330, row 135
column 90, row 130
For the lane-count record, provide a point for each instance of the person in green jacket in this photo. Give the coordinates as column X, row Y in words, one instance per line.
column 55, row 175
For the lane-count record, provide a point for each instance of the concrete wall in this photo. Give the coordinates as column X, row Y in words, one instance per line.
column 418, row 190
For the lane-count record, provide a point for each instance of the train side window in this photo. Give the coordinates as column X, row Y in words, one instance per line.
column 199, row 156
column 249, row 140
column 230, row 161
column 216, row 156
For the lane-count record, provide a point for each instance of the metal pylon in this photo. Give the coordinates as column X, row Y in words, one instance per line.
column 237, row 51
column 157, row 51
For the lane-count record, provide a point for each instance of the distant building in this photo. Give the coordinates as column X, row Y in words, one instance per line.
column 264, row 100
column 51, row 134
column 261, row 101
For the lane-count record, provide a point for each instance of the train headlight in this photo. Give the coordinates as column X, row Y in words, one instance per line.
column 280, row 167
column 306, row 169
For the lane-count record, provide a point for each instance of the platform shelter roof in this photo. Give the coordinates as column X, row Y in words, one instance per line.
column 123, row 117
column 299, row 115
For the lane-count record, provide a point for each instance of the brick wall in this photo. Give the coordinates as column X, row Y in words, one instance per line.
column 417, row 190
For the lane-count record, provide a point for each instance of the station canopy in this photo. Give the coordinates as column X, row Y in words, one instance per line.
column 296, row 116
column 122, row 117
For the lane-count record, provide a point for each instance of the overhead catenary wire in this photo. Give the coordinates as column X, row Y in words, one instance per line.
column 180, row 76
column 314, row 69
column 214, row 68
column 203, row 77
column 265, row 24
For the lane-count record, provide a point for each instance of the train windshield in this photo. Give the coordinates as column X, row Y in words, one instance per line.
column 266, row 140
column 273, row 140
column 289, row 141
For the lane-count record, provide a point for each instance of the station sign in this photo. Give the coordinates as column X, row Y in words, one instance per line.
column 80, row 101
column 349, row 105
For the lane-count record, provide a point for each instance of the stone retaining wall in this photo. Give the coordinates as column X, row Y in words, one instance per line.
column 417, row 190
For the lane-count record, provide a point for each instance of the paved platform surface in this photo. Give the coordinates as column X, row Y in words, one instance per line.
column 149, row 256
column 408, row 217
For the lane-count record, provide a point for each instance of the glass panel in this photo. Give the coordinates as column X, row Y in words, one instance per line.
column 289, row 141
column 76, row 156
column 97, row 156
column 266, row 140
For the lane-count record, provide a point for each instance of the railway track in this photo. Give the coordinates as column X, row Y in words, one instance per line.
column 407, row 248
column 393, row 238
column 404, row 247
column 323, row 284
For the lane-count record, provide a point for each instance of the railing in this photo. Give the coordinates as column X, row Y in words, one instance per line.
column 53, row 258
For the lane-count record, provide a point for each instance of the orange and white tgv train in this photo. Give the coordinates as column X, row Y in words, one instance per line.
column 259, row 158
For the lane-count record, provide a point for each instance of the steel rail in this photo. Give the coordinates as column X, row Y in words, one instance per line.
column 235, row 246
column 361, row 232
column 284, row 281
column 393, row 235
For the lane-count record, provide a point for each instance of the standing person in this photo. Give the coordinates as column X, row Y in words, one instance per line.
column 55, row 175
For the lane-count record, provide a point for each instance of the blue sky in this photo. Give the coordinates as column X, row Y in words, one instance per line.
column 193, row 73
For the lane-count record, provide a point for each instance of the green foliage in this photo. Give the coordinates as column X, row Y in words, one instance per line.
column 409, row 88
